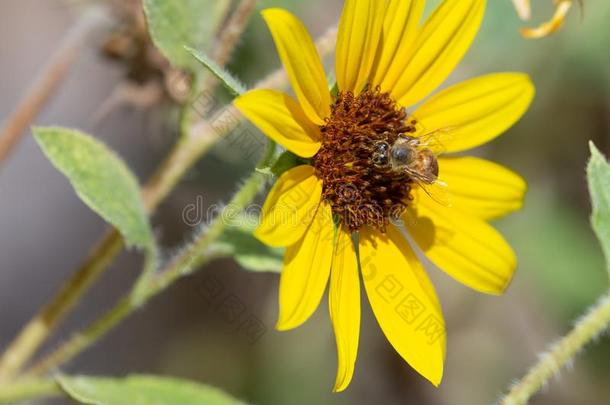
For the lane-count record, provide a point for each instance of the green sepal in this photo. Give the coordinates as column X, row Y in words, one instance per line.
column 287, row 161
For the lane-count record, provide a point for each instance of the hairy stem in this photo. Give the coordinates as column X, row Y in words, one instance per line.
column 28, row 389
column 180, row 160
column 193, row 256
column 37, row 330
column 200, row 138
column 47, row 84
column 230, row 35
column 589, row 327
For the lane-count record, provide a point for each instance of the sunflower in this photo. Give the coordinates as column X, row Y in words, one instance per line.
column 360, row 202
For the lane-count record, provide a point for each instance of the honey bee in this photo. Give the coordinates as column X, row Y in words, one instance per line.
column 417, row 158
column 413, row 156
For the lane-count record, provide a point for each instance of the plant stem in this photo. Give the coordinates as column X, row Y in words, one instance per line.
column 589, row 327
column 229, row 37
column 185, row 263
column 47, row 84
column 201, row 137
column 28, row 389
column 37, row 330
column 180, row 160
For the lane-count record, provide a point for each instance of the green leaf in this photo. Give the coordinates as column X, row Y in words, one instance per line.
column 250, row 253
column 100, row 179
column 239, row 242
column 231, row 83
column 142, row 390
column 174, row 24
column 598, row 175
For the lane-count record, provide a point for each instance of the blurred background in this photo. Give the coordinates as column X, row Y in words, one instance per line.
column 45, row 230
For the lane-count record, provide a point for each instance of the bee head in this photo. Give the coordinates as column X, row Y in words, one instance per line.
column 380, row 156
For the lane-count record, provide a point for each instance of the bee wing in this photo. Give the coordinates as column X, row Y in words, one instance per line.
column 432, row 186
column 435, row 141
column 438, row 191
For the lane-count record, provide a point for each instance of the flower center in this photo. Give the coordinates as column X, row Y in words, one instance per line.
column 366, row 177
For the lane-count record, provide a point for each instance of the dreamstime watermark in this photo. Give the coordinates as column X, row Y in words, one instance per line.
column 295, row 208
column 197, row 214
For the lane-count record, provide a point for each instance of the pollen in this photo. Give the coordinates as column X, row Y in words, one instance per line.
column 359, row 192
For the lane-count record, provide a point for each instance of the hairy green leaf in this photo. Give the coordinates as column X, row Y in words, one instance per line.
column 142, row 390
column 174, row 24
column 598, row 175
column 232, row 84
column 100, row 179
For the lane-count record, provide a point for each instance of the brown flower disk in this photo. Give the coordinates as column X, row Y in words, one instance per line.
column 359, row 192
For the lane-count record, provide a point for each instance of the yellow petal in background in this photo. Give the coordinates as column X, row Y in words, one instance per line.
column 403, row 301
column 549, row 27
column 290, row 207
column 357, row 42
column 442, row 42
column 482, row 188
column 306, row 271
column 279, row 117
column 400, row 29
column 465, row 247
column 476, row 111
column 302, row 63
column 344, row 305
column 524, row 8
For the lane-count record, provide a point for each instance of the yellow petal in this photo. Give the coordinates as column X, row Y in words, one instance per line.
column 403, row 301
column 465, row 247
column 344, row 305
column 290, row 207
column 357, row 42
column 279, row 117
column 302, row 63
column 482, row 188
column 399, row 35
column 476, row 111
column 306, row 271
column 442, row 42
